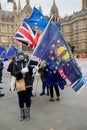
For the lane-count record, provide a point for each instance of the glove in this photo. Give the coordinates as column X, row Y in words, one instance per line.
column 24, row 70
column 35, row 70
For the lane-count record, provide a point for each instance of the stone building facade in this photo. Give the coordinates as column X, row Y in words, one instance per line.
column 10, row 21
column 73, row 27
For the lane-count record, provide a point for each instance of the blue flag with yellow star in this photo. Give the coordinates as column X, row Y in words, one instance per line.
column 53, row 48
column 52, row 77
column 11, row 52
column 38, row 21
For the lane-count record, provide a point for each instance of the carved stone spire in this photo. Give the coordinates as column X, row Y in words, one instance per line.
column 19, row 6
column 84, row 4
column 54, row 12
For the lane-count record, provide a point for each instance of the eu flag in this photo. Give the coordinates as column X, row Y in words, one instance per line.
column 38, row 21
column 53, row 48
column 12, row 51
column 52, row 77
column 2, row 49
column 2, row 52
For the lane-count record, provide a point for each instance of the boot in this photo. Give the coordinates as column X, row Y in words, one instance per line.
column 22, row 115
column 43, row 93
column 51, row 99
column 27, row 113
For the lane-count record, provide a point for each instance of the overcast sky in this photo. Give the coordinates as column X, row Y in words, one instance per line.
column 65, row 7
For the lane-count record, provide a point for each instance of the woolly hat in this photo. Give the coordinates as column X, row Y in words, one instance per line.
column 20, row 53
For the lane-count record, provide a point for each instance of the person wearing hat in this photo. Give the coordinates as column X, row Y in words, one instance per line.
column 24, row 96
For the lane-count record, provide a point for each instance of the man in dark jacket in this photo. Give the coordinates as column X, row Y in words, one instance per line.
column 1, row 68
column 24, row 96
column 10, row 69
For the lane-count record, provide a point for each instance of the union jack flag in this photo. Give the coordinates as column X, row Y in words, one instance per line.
column 27, row 35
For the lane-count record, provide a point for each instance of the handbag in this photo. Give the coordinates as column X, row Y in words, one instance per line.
column 20, row 85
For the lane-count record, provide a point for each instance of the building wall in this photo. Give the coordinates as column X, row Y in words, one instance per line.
column 75, row 31
column 9, row 23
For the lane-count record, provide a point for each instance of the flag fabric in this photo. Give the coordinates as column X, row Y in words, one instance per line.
column 58, row 26
column 52, row 46
column 27, row 35
column 2, row 52
column 38, row 21
column 52, row 77
column 12, row 51
column 54, row 49
column 71, row 71
column 2, row 49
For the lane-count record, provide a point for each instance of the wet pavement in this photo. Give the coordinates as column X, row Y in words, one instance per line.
column 70, row 113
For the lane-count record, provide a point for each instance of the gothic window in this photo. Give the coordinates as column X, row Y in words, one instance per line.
column 78, row 46
column 85, row 23
column 71, row 28
column 11, row 29
column 8, row 39
column 77, row 26
column 8, row 30
column 77, row 36
column 3, row 39
column 71, row 39
column 3, row 28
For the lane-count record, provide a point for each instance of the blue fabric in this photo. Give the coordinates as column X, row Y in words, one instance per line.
column 12, row 51
column 2, row 52
column 52, row 77
column 50, row 45
column 37, row 20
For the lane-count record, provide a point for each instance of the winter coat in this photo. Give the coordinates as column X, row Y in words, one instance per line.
column 27, row 76
column 10, row 67
column 1, row 65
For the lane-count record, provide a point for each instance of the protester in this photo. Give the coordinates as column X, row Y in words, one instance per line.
column 1, row 69
column 53, row 80
column 41, row 71
column 57, row 81
column 10, row 69
column 33, row 64
column 52, row 92
column 24, row 96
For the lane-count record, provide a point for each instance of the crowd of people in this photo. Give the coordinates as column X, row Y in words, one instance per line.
column 21, row 70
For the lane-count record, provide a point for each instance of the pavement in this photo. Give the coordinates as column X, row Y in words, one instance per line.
column 70, row 113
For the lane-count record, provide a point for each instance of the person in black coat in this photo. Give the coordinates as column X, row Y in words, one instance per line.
column 10, row 69
column 24, row 96
column 1, row 68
